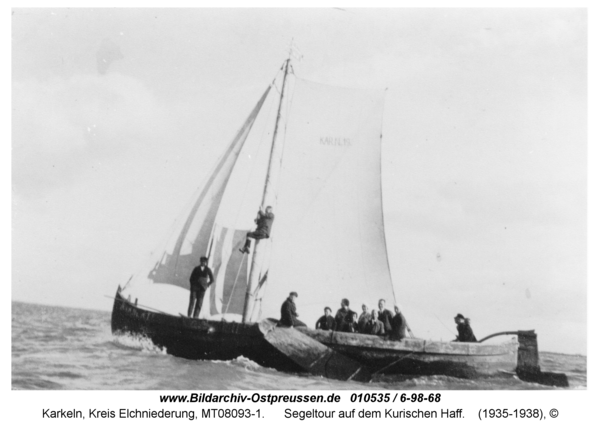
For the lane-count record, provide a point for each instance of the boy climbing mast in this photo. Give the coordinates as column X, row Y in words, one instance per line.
column 264, row 222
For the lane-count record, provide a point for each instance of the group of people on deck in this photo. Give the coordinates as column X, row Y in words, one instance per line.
column 376, row 322
column 381, row 322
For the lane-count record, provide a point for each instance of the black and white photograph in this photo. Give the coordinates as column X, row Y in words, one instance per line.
column 315, row 199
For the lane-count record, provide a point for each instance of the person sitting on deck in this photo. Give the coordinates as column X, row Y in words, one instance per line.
column 364, row 317
column 385, row 316
column 289, row 317
column 326, row 322
column 200, row 280
column 399, row 325
column 465, row 333
column 264, row 222
column 374, row 326
column 344, row 317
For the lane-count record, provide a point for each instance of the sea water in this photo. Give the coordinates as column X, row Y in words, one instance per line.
column 57, row 348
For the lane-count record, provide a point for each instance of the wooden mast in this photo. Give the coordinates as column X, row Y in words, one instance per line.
column 259, row 246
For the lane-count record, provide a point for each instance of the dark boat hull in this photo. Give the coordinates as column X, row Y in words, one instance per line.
column 220, row 340
column 196, row 338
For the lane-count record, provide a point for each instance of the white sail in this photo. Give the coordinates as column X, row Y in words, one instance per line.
column 327, row 241
column 328, row 238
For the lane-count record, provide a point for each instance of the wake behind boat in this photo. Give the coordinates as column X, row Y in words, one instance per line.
column 321, row 174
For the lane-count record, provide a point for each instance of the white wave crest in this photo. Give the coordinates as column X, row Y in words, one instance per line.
column 138, row 342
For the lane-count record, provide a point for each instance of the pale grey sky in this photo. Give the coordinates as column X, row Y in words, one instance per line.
column 484, row 146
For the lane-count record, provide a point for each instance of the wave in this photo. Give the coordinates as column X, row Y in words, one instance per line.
column 138, row 342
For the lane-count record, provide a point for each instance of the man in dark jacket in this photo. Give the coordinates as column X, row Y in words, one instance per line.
column 344, row 318
column 385, row 316
column 465, row 333
column 326, row 322
column 200, row 280
column 264, row 222
column 399, row 325
column 289, row 317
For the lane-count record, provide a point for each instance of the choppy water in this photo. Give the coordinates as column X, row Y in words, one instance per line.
column 59, row 348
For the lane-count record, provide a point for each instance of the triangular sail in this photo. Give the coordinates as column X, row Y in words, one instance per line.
column 193, row 239
column 328, row 238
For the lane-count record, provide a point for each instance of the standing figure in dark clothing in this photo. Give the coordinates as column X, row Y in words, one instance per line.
column 344, row 317
column 385, row 316
column 326, row 322
column 399, row 325
column 264, row 222
column 200, row 280
column 374, row 326
column 465, row 333
column 289, row 317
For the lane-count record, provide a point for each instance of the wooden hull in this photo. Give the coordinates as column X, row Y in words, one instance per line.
column 220, row 340
column 416, row 357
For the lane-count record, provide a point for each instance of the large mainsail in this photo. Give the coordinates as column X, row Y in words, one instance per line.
column 328, row 239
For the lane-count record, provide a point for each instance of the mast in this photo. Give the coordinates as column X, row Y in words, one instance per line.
column 259, row 246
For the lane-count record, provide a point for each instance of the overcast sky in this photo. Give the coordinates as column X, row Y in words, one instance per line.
column 116, row 111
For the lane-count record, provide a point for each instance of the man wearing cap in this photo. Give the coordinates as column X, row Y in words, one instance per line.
column 465, row 333
column 289, row 317
column 200, row 280
column 264, row 222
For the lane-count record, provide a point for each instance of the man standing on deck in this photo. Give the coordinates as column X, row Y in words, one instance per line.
column 200, row 280
column 264, row 222
column 289, row 317
column 385, row 316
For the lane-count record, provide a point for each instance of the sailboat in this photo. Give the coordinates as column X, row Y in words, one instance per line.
column 313, row 153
